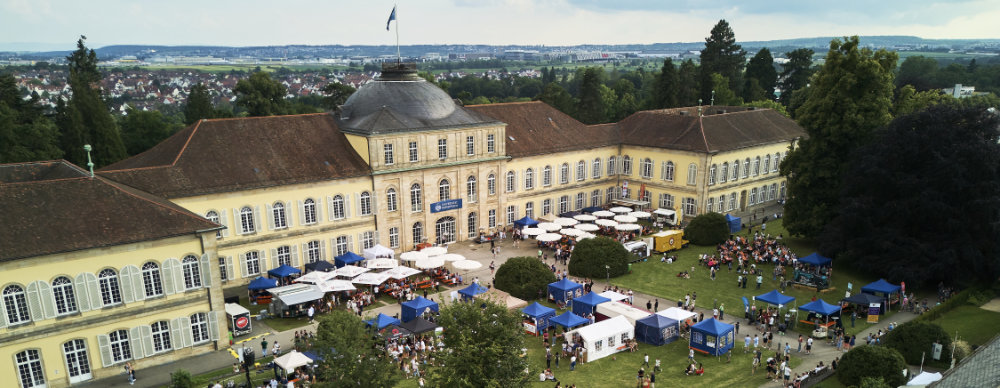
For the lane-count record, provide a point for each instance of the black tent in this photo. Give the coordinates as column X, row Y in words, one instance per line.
column 419, row 325
column 321, row 265
column 865, row 300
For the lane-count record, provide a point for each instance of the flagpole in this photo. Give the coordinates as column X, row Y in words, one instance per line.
column 399, row 58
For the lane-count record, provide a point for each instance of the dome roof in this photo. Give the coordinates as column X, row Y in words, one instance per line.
column 400, row 100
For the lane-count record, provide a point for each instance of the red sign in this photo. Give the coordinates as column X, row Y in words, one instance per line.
column 242, row 322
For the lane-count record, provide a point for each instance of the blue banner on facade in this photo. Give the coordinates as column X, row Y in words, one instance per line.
column 443, row 206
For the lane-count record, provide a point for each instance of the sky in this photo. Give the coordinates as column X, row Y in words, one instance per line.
column 56, row 24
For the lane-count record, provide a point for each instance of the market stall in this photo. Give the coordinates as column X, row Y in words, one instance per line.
column 470, row 292
column 320, row 265
column 881, row 288
column 419, row 326
column 712, row 337
column 347, row 258
column 615, row 309
column 291, row 301
column 585, row 304
column 656, row 330
column 603, row 338
column 568, row 320
column 735, row 223
column 381, row 321
column 820, row 308
column 413, row 309
column 537, row 318
column 564, row 290
column 379, row 252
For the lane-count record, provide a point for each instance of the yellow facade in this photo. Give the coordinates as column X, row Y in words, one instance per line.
column 550, row 184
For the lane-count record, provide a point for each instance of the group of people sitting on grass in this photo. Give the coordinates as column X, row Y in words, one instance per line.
column 760, row 249
column 694, row 370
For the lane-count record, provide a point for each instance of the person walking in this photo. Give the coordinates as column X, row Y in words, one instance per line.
column 130, row 373
column 645, row 360
column 800, row 344
column 572, row 362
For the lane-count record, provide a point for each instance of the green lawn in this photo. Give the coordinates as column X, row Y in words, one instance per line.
column 972, row 323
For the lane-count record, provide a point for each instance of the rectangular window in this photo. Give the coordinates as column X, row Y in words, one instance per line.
column 223, row 269
column 511, row 214
column 470, row 145
column 253, row 263
column 199, row 327
column 546, row 207
column 442, row 149
column 491, row 144
column 493, row 218
column 413, row 152
column 529, row 210
column 394, row 237
column 387, row 148
column 313, row 252
column 690, row 207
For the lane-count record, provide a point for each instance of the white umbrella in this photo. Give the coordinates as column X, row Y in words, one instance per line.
column 350, row 271
column 549, row 226
column 640, row 214
column 412, row 256
column 292, row 360
column 435, row 251
column 315, row 277
column 466, row 265
column 626, row 219
column 584, row 217
column 603, row 213
column 381, row 263
column 371, row 278
column 549, row 237
column 621, row 209
column 585, row 236
column 603, row 222
column 401, row 272
column 587, row 227
column 572, row 232
column 532, row 231
column 452, row 257
column 429, row 263
column 628, row 227
column 562, row 221
column 336, row 285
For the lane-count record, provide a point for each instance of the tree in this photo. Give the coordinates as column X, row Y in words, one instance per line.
column 723, row 56
column 261, row 96
column 917, row 71
column 915, row 338
column 181, row 379
column 761, row 77
column 558, row 98
column 768, row 104
column 25, row 134
column 85, row 119
column 920, row 202
column 872, row 361
column 665, row 90
column 721, row 94
column 336, row 94
column 484, row 341
column 199, row 105
column 851, row 96
column 795, row 73
column 873, row 382
column 687, row 84
column 524, row 277
column 909, row 100
column 351, row 353
column 591, row 106
column 707, row 229
column 141, row 130
column 599, row 257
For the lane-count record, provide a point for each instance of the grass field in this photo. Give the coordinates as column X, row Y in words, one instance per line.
column 972, row 323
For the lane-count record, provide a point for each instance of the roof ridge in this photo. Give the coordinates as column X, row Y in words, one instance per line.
column 701, row 128
column 188, row 214
column 46, row 181
column 264, row 117
column 186, row 142
column 507, row 103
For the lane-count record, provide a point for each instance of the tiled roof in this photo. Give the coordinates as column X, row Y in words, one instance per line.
column 224, row 155
column 980, row 369
column 535, row 128
column 64, row 212
column 720, row 129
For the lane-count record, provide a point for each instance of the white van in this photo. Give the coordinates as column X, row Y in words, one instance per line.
column 637, row 247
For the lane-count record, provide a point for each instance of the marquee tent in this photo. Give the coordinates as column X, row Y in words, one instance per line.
column 568, row 320
column 471, row 291
column 315, row 277
column 526, row 221
column 816, row 259
column 864, row 300
column 820, row 307
column 262, row 283
column 564, row 290
column 540, row 315
column 381, row 321
column 776, row 298
column 350, row 271
column 347, row 258
column 712, row 337
column 614, row 296
column 412, row 309
column 603, row 338
column 394, row 332
column 585, row 304
column 419, row 326
column 735, row 223
column 292, row 360
column 401, row 272
column 284, row 271
column 503, row 298
column 656, row 330
column 615, row 309
column 591, row 209
column 320, row 265
column 678, row 314
column 379, row 252
column 880, row 286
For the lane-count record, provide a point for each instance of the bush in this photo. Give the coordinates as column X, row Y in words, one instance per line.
column 873, row 382
column 591, row 255
column 872, row 361
column 914, row 338
column 181, row 379
column 962, row 350
column 524, row 277
column 707, row 229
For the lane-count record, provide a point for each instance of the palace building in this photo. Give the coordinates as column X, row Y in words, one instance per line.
column 144, row 249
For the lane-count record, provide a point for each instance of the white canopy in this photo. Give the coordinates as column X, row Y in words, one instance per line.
column 412, row 256
column 618, row 328
column 292, row 360
column 549, row 237
column 925, row 378
column 350, row 271
column 401, row 272
column 549, row 226
column 584, row 217
column 435, row 251
column 562, row 221
column 432, row 262
column 587, row 227
column 676, row 313
column 379, row 252
column 336, row 285
column 572, row 232
column 466, row 265
column 626, row 219
column 640, row 214
column 621, row 209
column 532, row 231
column 452, row 257
column 585, row 236
column 614, row 309
column 614, row 296
column 604, row 222
column 603, row 213
column 371, row 278
column 628, row 227
column 665, row 212
column 381, row 263
column 315, row 277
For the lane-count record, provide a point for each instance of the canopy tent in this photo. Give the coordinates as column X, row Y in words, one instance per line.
column 347, row 258
column 532, row 231
column 568, row 320
column 572, row 232
column 656, row 330
column 350, row 271
column 678, row 314
column 320, row 265
column 619, row 309
column 434, row 251
column 925, row 378
column 430, row 262
column 712, row 337
column 381, row 321
column 526, row 221
column 820, row 307
column 401, row 272
column 371, row 278
column 313, row 356
column 628, row 227
column 549, row 237
column 603, row 213
column 394, row 332
column 565, row 221
column 613, row 296
column 604, row 338
column 412, row 309
column 379, row 252
column 591, row 209
column 880, row 286
column 866, row 300
column 336, row 285
column 776, row 298
column 262, row 283
column 466, row 265
column 540, row 315
column 419, row 326
column 569, row 214
column 585, row 304
column 665, row 212
column 288, row 301
column 503, row 298
column 315, row 277
column 816, row 259
column 735, row 223
column 284, row 271
column 549, row 226
column 382, row 263
column 292, row 360
column 471, row 291
column 564, row 290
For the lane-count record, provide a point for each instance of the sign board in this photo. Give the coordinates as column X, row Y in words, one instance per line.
column 873, row 311
column 936, row 351
column 446, row 205
column 530, row 328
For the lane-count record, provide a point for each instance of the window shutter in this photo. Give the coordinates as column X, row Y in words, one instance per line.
column 230, row 271
column 274, row 258
column 137, row 284
column 3, row 317
column 288, row 214
column 322, row 249
column 35, row 302
column 256, row 218
column 135, row 340
column 295, row 254
column 350, row 243
column 237, row 221
column 261, row 261
column 147, row 340
column 94, row 290
column 243, row 265
column 177, row 333
column 347, row 205
column 377, row 235
column 269, row 215
column 179, row 285
column 213, row 324
column 206, row 271
column 223, row 220
column 302, row 212
column 374, row 203
column 167, row 276
column 104, row 344
column 187, row 333
column 319, row 211
column 125, row 282
column 82, row 297
column 329, row 208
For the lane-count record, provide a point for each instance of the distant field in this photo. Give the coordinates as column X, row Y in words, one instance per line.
column 229, row 68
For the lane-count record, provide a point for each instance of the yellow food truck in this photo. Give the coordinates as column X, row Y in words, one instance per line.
column 669, row 240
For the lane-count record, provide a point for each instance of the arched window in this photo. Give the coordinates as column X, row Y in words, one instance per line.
column 611, row 165
column 581, row 170
column 29, row 368
column 722, row 203
column 724, row 172
column 199, row 328
column 111, row 292
column 390, row 198
column 416, row 201
column 756, row 166
column 418, row 233
column 214, row 217
column 77, row 361
column 627, row 165
column 151, row 281
column 366, row 203
column 746, row 168
column 472, row 225
column 735, row 173
column 309, row 211
column 338, row 207
column 246, row 220
column 711, row 175
column 491, row 184
column 16, row 304
column 732, row 201
column 767, row 164
column 596, row 170
column 564, row 174
column 120, row 350
column 529, row 179
column 444, row 190
column 161, row 336
column 529, row 210
column 278, row 214
column 668, row 173
column 510, row 182
column 341, row 245
column 62, row 289
column 692, row 174
column 547, row 176
column 471, row 191
column 595, row 198
column 777, row 159
column 445, row 230
column 646, row 168
column 192, row 274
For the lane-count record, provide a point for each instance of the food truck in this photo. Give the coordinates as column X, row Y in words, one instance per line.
column 669, row 240
column 238, row 319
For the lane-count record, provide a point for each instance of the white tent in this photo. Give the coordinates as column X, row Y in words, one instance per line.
column 604, row 338
column 676, row 313
column 401, row 272
column 336, row 285
column 614, row 296
column 379, row 252
column 549, row 237
column 350, row 271
column 315, row 277
column 412, row 256
column 924, row 378
column 382, row 263
column 371, row 278
column 616, row 309
column 292, row 360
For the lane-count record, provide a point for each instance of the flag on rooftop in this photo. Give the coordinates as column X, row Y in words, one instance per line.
column 392, row 16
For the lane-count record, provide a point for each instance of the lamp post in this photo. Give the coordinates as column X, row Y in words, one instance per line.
column 607, row 271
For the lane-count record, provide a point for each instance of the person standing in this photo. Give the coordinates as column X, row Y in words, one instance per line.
column 572, row 362
column 800, row 343
column 263, row 347
column 645, row 360
column 854, row 315
column 656, row 305
column 548, row 358
column 722, row 312
column 809, row 345
column 760, row 280
column 691, row 355
column 130, row 373
column 276, row 350
column 311, row 312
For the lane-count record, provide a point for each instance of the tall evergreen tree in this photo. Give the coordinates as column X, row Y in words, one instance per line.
column 261, row 96
column 199, row 105
column 721, row 93
column 665, row 91
column 591, row 107
column 721, row 55
column 850, row 97
column 761, row 69
column 795, row 74
column 490, row 332
column 85, row 119
column 25, row 134
column 687, row 84
column 141, row 130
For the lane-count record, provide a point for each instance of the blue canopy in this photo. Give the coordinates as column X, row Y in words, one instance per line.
column 656, row 330
column 816, row 259
column 471, row 291
column 382, row 320
column 776, row 298
column 820, row 307
column 569, row 214
column 347, row 258
column 283, row 271
column 320, row 265
column 564, row 290
column 881, row 286
column 712, row 336
column 586, row 304
column 735, row 223
column 540, row 314
column 526, row 221
column 262, row 283
column 569, row 320
column 591, row 209
column 415, row 308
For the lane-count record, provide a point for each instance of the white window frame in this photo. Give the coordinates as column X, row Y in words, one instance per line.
column 690, row 207
column 15, row 303
column 119, row 346
column 627, row 165
column 414, row 155
column 63, row 293
column 394, row 237
column 546, row 206
column 391, row 200
column 444, row 190
column 692, row 174
column 581, row 170
column 160, row 334
column 442, row 149
column 30, row 372
column 491, row 184
column 711, row 174
column 492, row 218
column 509, row 182
column 252, row 261
column 314, row 251
column 470, row 145
column 387, row 154
column 416, row 198
column 192, row 272
column 365, row 204
column 247, row 222
column 529, row 179
column 418, row 232
column 110, row 287
column 491, row 143
column 596, row 170
column 646, row 168
column 199, row 328
column 471, row 189
column 309, row 211
column 564, row 173
column 547, row 176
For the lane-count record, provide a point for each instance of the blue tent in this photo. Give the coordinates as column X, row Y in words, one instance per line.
column 569, row 320
column 540, row 314
column 569, row 214
column 735, row 223
column 585, row 304
column 712, row 337
column 776, row 298
column 880, row 286
column 591, row 209
column 564, row 290
column 820, row 307
column 816, row 259
column 320, row 265
column 526, row 221
column 347, row 258
column 471, row 291
column 262, row 283
column 656, row 330
column 415, row 308
column 382, row 320
column 283, row 271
